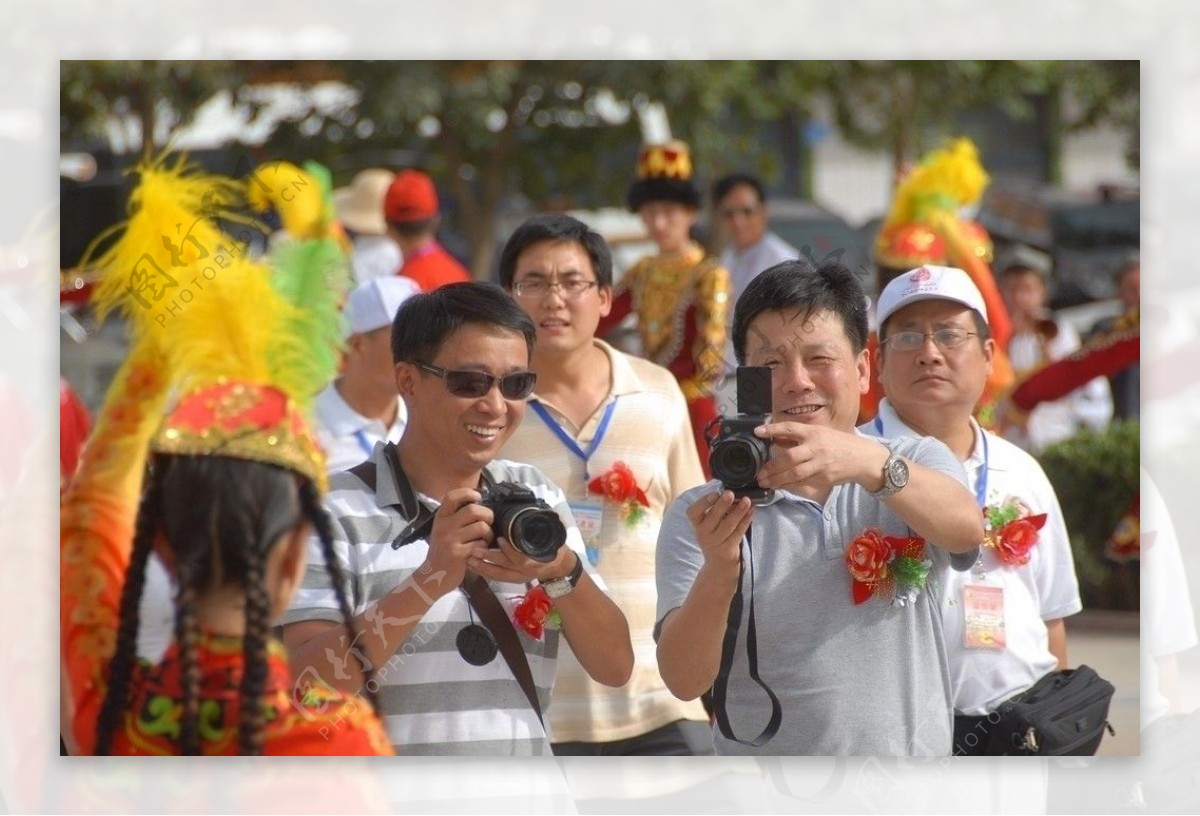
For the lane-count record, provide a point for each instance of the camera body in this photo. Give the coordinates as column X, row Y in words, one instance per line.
column 528, row 523
column 735, row 453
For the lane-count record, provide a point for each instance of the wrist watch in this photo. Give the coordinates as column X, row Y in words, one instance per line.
column 895, row 476
column 559, row 587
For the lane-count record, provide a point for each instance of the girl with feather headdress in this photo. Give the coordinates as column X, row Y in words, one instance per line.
column 225, row 489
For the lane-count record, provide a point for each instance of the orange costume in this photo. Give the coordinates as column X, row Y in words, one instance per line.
column 923, row 227
column 232, row 333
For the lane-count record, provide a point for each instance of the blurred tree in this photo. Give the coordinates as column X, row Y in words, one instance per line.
column 1102, row 92
column 153, row 92
column 562, row 133
column 907, row 106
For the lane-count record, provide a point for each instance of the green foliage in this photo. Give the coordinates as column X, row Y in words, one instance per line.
column 566, row 133
column 1095, row 474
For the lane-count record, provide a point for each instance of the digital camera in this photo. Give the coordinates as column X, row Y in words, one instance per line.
column 735, row 453
column 526, row 521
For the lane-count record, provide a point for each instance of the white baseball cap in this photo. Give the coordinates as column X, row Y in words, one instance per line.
column 929, row 283
column 373, row 304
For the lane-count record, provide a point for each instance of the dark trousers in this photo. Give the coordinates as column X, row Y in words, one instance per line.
column 680, row 738
column 971, row 735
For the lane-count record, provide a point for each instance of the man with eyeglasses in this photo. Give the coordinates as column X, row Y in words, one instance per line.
column 432, row 586
column 612, row 430
column 740, row 203
column 1002, row 619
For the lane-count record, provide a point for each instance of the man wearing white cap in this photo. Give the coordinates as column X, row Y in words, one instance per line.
column 1003, row 619
column 360, row 210
column 361, row 407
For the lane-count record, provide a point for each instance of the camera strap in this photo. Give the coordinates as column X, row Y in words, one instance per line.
column 493, row 616
column 721, row 684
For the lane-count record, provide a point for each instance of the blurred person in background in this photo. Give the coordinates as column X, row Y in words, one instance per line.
column 740, row 206
column 612, row 431
column 412, row 211
column 361, row 408
column 1038, row 338
column 1126, row 384
column 681, row 295
column 373, row 253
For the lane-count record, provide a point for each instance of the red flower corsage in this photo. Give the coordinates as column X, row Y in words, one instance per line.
column 534, row 612
column 618, row 484
column 1012, row 531
column 888, row 565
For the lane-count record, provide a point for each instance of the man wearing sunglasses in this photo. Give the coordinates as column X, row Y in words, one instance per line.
column 413, row 539
column 613, row 431
column 935, row 355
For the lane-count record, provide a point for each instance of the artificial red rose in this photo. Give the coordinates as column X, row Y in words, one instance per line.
column 1017, row 538
column 618, row 484
column 532, row 611
column 867, row 557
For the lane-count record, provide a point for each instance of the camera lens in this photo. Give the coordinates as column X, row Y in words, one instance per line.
column 537, row 533
column 736, row 461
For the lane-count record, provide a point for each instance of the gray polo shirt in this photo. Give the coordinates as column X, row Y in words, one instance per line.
column 866, row 679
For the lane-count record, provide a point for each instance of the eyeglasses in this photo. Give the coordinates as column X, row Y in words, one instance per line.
column 944, row 338
column 745, row 212
column 475, row 384
column 570, row 288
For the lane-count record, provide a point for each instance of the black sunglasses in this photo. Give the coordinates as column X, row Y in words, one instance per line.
column 475, row 384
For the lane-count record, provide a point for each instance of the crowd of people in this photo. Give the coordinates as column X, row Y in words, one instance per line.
column 383, row 508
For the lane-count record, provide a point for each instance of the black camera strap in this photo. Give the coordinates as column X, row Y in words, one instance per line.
column 721, row 684
column 497, row 621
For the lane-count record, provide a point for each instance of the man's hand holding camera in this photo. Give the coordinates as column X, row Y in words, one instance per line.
column 461, row 528
column 809, row 460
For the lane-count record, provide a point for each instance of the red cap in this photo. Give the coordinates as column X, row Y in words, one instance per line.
column 411, row 197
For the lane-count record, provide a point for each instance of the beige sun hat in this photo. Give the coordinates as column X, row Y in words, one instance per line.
column 360, row 205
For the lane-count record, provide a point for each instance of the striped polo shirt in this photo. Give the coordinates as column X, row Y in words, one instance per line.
column 432, row 701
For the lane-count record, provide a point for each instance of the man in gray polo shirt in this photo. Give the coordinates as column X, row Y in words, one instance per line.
column 836, row 572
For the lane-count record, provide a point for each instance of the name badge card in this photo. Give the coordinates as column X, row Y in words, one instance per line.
column 983, row 607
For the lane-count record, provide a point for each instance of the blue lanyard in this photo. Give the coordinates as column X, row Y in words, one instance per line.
column 565, row 437
column 363, row 443
column 981, row 484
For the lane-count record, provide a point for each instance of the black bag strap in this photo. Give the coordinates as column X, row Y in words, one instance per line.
column 493, row 616
column 721, row 684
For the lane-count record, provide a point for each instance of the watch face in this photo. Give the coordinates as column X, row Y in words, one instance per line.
column 898, row 472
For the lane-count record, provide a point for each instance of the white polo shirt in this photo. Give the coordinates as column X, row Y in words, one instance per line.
column 347, row 436
column 1043, row 589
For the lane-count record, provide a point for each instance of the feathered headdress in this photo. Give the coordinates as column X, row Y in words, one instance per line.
column 212, row 325
column 924, row 225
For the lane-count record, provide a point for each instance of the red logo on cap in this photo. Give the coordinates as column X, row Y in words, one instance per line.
column 920, row 275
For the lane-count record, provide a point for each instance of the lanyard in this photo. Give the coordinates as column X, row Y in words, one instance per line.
column 565, row 437
column 981, row 484
column 363, row 443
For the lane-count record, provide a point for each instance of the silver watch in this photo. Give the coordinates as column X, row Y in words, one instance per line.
column 895, row 476
column 559, row 587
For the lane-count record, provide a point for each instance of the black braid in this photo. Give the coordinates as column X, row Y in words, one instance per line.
column 120, row 667
column 187, row 635
column 254, row 651
column 310, row 503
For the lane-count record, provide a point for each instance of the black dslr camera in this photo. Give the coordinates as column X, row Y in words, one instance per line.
column 735, row 453
column 525, row 520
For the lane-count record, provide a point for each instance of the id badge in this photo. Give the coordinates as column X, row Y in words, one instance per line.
column 983, row 607
column 588, row 517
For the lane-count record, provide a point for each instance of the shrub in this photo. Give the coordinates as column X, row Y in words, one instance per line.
column 1095, row 475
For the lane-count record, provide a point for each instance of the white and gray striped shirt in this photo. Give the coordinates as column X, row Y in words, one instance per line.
column 433, row 702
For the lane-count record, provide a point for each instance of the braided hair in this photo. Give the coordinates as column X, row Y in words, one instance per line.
column 310, row 501
column 120, row 668
column 219, row 517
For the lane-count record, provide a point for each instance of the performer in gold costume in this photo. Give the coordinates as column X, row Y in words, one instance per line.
column 681, row 295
